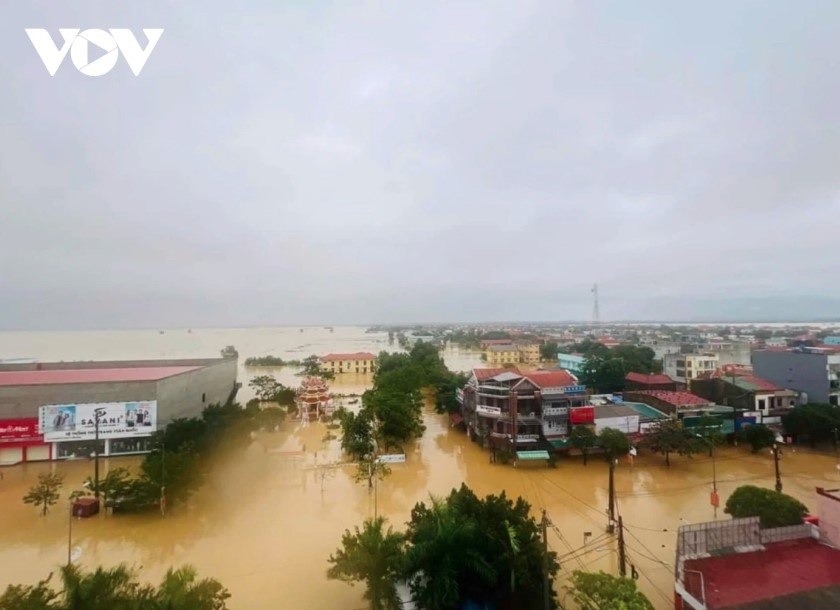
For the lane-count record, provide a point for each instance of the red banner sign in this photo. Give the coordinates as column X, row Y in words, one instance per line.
column 582, row 415
column 23, row 430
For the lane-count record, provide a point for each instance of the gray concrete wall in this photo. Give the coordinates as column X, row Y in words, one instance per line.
column 795, row 371
column 181, row 395
column 24, row 400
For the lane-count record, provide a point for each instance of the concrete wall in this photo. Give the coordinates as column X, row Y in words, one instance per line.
column 187, row 394
column 803, row 372
column 828, row 510
column 109, row 364
column 23, row 401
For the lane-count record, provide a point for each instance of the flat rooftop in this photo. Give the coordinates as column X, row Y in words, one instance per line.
column 70, row 376
column 784, row 575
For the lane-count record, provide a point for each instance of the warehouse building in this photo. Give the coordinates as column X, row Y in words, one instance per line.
column 58, row 410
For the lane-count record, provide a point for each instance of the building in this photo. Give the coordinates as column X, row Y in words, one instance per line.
column 573, row 363
column 538, row 405
column 811, row 370
column 313, row 399
column 48, row 410
column 737, row 565
column 831, row 341
column 640, row 381
column 685, row 367
column 358, row 362
column 529, row 353
column 501, row 354
column 739, row 387
column 673, row 403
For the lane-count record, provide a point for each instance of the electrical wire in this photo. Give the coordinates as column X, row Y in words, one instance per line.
column 668, row 600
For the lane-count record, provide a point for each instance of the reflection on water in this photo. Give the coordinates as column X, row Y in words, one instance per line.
column 266, row 522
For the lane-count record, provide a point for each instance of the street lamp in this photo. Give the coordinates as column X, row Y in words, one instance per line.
column 776, row 462
column 96, row 414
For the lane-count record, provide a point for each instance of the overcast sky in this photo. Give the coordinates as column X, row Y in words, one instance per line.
column 361, row 162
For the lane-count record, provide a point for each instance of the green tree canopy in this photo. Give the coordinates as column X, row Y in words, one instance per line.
column 45, row 493
column 372, row 555
column 601, row 591
column 614, row 442
column 758, row 436
column 605, row 369
column 773, row 508
column 814, row 420
column 670, row 437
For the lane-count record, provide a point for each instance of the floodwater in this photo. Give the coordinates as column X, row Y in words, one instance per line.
column 266, row 523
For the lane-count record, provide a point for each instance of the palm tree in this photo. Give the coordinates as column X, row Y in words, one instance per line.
column 180, row 590
column 513, row 543
column 443, row 552
column 373, row 555
column 103, row 589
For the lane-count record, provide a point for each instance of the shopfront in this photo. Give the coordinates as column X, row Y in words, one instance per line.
column 20, row 442
column 81, row 430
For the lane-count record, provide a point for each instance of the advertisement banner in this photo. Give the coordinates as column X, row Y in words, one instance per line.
column 24, row 430
column 79, row 421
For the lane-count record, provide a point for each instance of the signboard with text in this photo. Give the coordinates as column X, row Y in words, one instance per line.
column 394, row 458
column 116, row 420
column 23, row 430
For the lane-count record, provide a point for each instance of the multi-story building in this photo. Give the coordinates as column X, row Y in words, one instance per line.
column 739, row 387
column 812, row 370
column 529, row 353
column 501, row 354
column 358, row 362
column 571, row 362
column 685, row 367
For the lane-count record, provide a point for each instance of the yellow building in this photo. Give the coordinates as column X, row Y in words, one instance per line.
column 502, row 354
column 359, row 362
column 529, row 353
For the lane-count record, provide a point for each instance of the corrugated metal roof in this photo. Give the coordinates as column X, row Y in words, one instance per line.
column 69, row 376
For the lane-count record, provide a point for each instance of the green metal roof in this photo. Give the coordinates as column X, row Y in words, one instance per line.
column 531, row 455
column 561, row 444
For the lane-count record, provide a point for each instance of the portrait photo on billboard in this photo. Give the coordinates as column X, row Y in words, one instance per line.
column 59, row 418
column 138, row 415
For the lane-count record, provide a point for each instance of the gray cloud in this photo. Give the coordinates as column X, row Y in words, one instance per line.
column 359, row 162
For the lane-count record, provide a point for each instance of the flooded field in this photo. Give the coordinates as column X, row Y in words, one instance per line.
column 265, row 525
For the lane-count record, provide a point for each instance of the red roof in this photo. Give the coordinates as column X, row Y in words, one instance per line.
column 483, row 374
column 551, row 379
column 678, row 399
column 142, row 373
column 781, row 569
column 649, row 379
column 354, row 356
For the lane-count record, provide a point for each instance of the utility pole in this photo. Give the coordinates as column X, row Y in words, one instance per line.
column 96, row 414
column 622, row 557
column 163, row 478
column 70, row 535
column 776, row 461
column 836, row 455
column 546, row 592
column 611, row 525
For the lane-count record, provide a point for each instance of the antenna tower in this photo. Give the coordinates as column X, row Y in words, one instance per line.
column 596, row 311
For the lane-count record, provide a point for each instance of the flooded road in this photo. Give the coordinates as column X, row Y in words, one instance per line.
column 265, row 525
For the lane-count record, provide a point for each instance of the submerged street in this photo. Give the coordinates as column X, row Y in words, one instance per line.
column 267, row 522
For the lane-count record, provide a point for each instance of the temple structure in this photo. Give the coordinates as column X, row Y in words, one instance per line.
column 313, row 399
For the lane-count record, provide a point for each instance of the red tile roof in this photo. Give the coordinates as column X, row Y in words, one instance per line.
column 353, row 356
column 781, row 569
column 551, row 379
column 649, row 379
column 143, row 373
column 482, row 374
column 678, row 399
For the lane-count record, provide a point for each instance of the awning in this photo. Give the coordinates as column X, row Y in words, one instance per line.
column 560, row 443
column 526, row 456
column 455, row 418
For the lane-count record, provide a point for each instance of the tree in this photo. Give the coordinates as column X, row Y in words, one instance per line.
column 614, row 442
column 102, row 589
column 312, row 368
column 357, row 434
column 266, row 387
column 372, row 555
column 773, row 508
column 604, row 374
column 115, row 484
column 670, row 437
column 602, row 591
column 44, row 493
column 29, row 597
column 814, row 420
column 182, row 590
column 270, row 418
column 758, row 436
column 549, row 350
column 398, row 414
column 584, row 439
column 178, row 473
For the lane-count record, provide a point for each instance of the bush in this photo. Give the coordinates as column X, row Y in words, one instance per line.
column 773, row 508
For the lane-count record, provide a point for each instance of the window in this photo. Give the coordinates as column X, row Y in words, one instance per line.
column 762, row 404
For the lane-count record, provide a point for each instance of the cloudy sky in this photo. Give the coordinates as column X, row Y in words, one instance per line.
column 397, row 160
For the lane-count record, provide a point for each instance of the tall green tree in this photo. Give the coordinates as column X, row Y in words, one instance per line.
column 670, row 437
column 614, row 442
column 179, row 472
column 115, row 484
column 773, row 508
column 357, row 439
column 373, row 555
column 584, row 439
column 758, row 436
column 45, row 493
column 814, row 420
column 181, row 589
column 601, row 591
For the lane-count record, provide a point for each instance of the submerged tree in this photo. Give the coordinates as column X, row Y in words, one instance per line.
column 614, row 442
column 44, row 493
column 758, row 436
column 773, row 508
column 372, row 555
column 601, row 591
column 670, row 437
column 584, row 439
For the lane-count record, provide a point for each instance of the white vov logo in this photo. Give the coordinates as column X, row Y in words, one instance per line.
column 119, row 40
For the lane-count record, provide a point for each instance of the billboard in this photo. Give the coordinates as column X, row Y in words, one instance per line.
column 24, row 430
column 116, row 420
